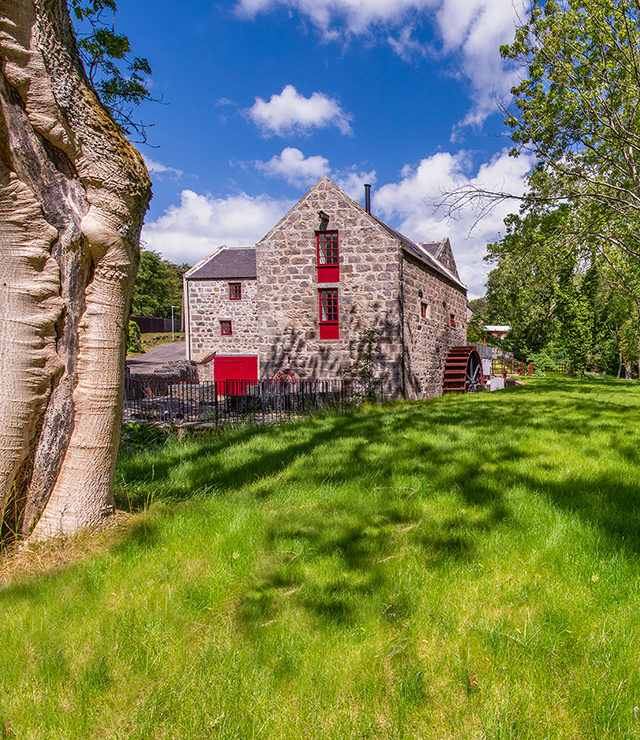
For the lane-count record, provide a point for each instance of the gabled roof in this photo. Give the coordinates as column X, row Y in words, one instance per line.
column 227, row 262
column 421, row 251
column 432, row 247
column 240, row 262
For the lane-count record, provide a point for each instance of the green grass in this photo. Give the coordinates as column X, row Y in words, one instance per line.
column 466, row 567
column 153, row 339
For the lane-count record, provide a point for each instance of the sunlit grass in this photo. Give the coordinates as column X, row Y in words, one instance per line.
column 460, row 568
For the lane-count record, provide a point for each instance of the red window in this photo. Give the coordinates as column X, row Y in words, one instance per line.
column 328, row 256
column 235, row 291
column 452, row 319
column 225, row 328
column 424, row 310
column 329, row 328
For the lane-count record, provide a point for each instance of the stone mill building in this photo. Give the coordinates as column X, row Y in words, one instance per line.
column 328, row 283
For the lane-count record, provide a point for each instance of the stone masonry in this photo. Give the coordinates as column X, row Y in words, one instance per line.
column 278, row 316
column 209, row 304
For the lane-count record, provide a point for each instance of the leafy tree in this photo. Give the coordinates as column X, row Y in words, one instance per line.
column 578, row 113
column 158, row 286
column 555, row 292
column 575, row 311
column 119, row 78
column 522, row 290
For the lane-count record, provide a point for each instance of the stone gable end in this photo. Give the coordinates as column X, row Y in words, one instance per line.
column 278, row 318
column 288, row 287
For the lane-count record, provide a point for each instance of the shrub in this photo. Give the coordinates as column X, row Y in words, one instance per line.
column 134, row 340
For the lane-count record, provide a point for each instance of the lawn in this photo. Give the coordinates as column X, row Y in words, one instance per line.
column 465, row 567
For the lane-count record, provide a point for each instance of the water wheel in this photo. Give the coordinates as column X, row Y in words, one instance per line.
column 463, row 371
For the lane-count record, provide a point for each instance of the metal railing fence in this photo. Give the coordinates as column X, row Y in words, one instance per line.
column 501, row 367
column 237, row 401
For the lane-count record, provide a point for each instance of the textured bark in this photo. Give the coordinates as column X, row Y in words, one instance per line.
column 73, row 193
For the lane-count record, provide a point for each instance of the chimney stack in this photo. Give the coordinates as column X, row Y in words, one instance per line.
column 367, row 198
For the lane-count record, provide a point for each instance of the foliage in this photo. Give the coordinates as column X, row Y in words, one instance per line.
column 119, row 78
column 551, row 289
column 137, row 435
column 575, row 311
column 578, row 113
column 134, row 340
column 434, row 569
column 550, row 358
column 522, row 289
column 158, row 286
column 368, row 356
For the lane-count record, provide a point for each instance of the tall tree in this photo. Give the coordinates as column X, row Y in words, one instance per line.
column 73, row 193
column 158, row 286
column 576, row 111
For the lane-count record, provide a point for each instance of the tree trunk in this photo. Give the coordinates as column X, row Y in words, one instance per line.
column 73, row 193
column 619, row 352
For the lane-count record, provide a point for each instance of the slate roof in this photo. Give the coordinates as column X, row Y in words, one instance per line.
column 419, row 251
column 228, row 262
column 431, row 247
column 240, row 262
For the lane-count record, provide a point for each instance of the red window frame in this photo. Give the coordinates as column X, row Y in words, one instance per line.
column 424, row 307
column 328, row 313
column 226, row 329
column 235, row 291
column 328, row 256
column 452, row 319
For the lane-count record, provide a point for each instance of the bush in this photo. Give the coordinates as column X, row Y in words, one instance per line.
column 137, row 435
column 549, row 358
column 134, row 340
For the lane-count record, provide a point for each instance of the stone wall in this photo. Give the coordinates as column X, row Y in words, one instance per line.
column 445, row 257
column 428, row 340
column 288, row 289
column 278, row 316
column 209, row 304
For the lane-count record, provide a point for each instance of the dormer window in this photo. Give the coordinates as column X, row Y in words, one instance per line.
column 328, row 257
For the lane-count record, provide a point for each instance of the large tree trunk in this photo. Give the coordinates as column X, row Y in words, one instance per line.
column 73, row 193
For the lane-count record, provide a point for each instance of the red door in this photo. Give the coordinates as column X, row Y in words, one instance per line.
column 244, row 367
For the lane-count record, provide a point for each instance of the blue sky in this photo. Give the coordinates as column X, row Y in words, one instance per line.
column 262, row 97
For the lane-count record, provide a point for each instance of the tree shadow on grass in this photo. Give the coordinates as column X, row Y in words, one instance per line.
column 331, row 558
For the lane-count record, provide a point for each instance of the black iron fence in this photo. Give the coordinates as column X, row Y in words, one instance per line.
column 234, row 401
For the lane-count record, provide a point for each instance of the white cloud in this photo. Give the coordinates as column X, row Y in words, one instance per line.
column 411, row 202
column 471, row 32
column 157, row 168
column 291, row 112
column 300, row 171
column 200, row 223
column 352, row 182
column 294, row 167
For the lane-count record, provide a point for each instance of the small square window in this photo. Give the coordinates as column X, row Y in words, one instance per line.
column 225, row 328
column 235, row 291
column 424, row 310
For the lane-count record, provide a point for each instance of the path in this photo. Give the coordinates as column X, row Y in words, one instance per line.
column 156, row 357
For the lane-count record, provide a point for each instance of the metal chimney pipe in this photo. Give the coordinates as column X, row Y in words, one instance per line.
column 367, row 198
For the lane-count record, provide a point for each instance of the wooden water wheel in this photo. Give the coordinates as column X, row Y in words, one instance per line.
column 463, row 371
